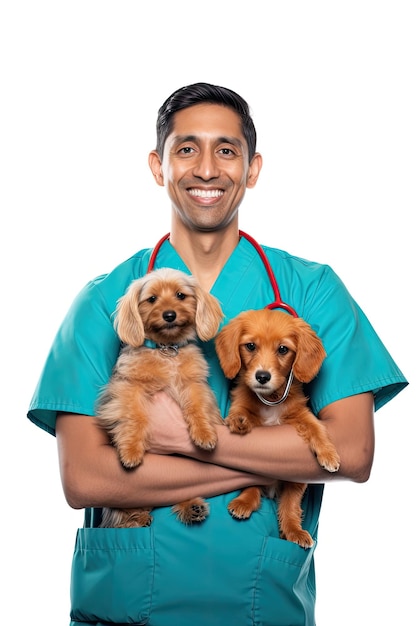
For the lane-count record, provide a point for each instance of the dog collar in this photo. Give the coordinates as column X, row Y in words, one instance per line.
column 168, row 349
column 284, row 395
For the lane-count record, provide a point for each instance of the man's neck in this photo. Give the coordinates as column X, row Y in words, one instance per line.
column 205, row 253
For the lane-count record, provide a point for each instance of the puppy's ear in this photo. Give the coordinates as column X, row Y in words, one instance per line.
column 128, row 322
column 227, row 347
column 208, row 314
column 310, row 352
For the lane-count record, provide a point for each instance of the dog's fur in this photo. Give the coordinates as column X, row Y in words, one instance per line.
column 260, row 348
column 169, row 308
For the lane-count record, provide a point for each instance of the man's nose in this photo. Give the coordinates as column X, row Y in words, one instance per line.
column 206, row 166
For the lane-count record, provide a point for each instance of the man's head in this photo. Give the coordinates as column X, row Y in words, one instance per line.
column 206, row 156
column 204, row 93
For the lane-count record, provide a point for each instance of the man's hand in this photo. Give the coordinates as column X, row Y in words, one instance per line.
column 169, row 432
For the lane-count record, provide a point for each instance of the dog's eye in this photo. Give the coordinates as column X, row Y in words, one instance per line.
column 250, row 347
column 282, row 349
column 180, row 295
column 151, row 300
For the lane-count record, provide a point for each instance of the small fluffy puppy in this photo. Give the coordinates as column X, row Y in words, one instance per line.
column 159, row 319
column 272, row 354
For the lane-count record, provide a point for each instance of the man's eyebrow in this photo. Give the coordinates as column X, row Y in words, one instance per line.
column 234, row 141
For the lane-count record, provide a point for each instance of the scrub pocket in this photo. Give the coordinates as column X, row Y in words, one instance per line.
column 223, row 572
column 112, row 571
column 285, row 588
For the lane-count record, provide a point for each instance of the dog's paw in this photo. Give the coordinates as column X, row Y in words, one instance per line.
column 130, row 463
column 204, row 438
column 300, row 537
column 126, row 518
column 131, row 457
column 239, row 510
column 329, row 461
column 192, row 512
column 140, row 519
column 239, row 424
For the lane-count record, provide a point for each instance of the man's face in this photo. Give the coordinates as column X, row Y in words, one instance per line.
column 205, row 166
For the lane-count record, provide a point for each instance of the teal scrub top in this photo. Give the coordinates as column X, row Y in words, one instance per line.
column 224, row 571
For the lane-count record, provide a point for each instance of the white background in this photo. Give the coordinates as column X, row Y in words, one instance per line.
column 332, row 88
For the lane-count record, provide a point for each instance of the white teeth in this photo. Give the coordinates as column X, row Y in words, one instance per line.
column 208, row 193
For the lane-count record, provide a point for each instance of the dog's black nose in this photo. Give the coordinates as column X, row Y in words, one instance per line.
column 263, row 377
column 169, row 316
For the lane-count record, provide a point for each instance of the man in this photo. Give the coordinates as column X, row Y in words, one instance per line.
column 222, row 571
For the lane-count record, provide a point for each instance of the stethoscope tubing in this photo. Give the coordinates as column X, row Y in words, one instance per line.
column 277, row 304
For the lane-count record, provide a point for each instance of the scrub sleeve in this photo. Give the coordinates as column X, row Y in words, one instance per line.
column 224, row 572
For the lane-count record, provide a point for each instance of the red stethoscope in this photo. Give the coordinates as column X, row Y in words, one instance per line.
column 277, row 304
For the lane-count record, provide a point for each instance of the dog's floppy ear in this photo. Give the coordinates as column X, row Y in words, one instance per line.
column 310, row 352
column 128, row 322
column 208, row 314
column 227, row 347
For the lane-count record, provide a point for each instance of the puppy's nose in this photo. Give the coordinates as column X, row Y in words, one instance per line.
column 262, row 377
column 169, row 316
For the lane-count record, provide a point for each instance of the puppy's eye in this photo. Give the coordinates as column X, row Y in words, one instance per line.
column 282, row 349
column 180, row 295
column 250, row 347
column 152, row 299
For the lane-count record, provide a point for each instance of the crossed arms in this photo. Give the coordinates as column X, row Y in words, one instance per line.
column 175, row 470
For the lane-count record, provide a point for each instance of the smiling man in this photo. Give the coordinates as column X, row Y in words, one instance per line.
column 222, row 571
column 206, row 175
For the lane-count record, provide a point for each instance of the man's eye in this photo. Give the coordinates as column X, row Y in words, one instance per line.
column 226, row 151
column 187, row 150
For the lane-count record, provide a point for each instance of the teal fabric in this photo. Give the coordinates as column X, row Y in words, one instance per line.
column 221, row 572
column 226, row 572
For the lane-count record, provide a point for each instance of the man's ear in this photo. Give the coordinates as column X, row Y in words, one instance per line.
column 155, row 164
column 254, row 170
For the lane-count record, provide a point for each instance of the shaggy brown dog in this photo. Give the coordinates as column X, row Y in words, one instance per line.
column 166, row 310
column 272, row 354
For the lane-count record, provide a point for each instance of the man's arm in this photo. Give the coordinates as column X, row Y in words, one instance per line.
column 92, row 475
column 278, row 451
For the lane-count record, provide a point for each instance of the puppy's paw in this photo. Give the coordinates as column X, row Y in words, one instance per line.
column 239, row 509
column 131, row 456
column 204, row 437
column 300, row 537
column 329, row 461
column 126, row 518
column 140, row 519
column 239, row 424
column 130, row 462
column 192, row 511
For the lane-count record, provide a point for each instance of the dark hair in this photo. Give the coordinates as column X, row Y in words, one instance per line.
column 200, row 93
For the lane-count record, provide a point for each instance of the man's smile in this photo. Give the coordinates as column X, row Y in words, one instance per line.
column 206, row 193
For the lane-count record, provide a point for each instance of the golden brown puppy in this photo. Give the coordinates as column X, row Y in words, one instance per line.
column 272, row 354
column 159, row 319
